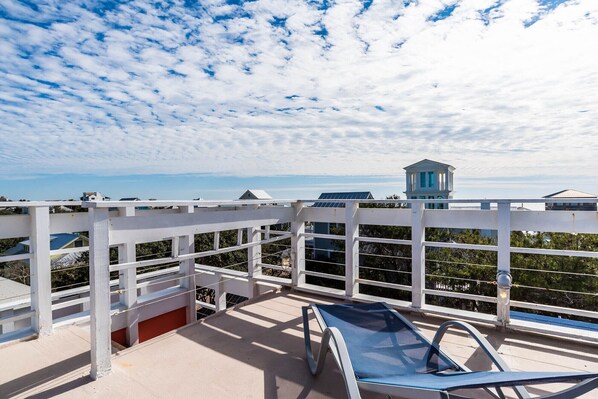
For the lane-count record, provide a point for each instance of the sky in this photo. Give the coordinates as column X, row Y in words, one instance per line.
column 188, row 99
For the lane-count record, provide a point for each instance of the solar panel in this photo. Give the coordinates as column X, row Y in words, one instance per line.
column 356, row 195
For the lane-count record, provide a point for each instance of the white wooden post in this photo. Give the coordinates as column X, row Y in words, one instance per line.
column 504, row 256
column 127, row 281
column 187, row 268
column 239, row 237
column 418, row 255
column 39, row 269
column 216, row 240
column 99, row 282
column 220, row 294
column 351, row 249
column 254, row 259
column 7, row 327
column 298, row 245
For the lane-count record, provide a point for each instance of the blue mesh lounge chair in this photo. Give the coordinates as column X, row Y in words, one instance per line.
column 379, row 350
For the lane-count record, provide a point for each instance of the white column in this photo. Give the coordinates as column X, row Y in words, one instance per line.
column 298, row 245
column 7, row 327
column 187, row 267
column 351, row 249
column 127, row 280
column 216, row 240
column 239, row 237
column 99, row 281
column 485, row 206
column 39, row 269
column 504, row 255
column 254, row 259
column 418, row 255
column 220, row 294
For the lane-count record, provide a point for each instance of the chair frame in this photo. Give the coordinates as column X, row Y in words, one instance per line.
column 333, row 341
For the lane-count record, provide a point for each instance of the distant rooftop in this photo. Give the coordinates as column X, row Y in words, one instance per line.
column 57, row 241
column 255, row 195
column 568, row 193
column 427, row 162
column 355, row 195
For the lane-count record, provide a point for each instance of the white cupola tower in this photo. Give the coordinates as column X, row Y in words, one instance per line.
column 428, row 179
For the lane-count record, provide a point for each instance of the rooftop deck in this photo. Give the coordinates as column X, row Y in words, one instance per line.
column 150, row 266
column 254, row 350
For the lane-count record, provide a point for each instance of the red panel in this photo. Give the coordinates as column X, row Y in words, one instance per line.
column 120, row 336
column 158, row 325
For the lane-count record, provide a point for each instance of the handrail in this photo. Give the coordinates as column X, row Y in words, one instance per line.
column 224, row 212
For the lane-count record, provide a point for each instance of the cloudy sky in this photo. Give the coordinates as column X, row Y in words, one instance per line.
column 222, row 95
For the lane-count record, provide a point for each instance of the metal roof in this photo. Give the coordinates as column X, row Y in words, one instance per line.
column 355, row 195
column 57, row 241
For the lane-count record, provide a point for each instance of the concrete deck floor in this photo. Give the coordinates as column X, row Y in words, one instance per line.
column 254, row 350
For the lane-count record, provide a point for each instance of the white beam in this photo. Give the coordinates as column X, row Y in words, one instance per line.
column 298, row 244
column 220, row 294
column 504, row 256
column 254, row 259
column 351, row 249
column 99, row 280
column 216, row 240
column 158, row 227
column 41, row 285
column 418, row 255
column 128, row 283
column 15, row 226
column 187, row 268
column 384, row 217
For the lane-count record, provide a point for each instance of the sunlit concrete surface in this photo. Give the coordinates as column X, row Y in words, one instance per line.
column 254, row 350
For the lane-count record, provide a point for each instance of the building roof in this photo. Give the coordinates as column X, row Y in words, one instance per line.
column 568, row 193
column 355, row 195
column 11, row 290
column 57, row 241
column 425, row 162
column 255, row 194
column 130, row 199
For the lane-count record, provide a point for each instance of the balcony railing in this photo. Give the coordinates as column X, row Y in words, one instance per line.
column 366, row 250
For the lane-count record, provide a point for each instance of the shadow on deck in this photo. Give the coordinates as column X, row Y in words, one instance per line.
column 254, row 350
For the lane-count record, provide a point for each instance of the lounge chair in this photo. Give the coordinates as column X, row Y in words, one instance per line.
column 379, row 350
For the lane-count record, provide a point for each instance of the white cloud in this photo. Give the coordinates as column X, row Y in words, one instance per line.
column 223, row 88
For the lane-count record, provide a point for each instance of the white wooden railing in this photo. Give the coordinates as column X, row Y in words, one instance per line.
column 133, row 297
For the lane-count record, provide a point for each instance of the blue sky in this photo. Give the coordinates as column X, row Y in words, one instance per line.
column 186, row 99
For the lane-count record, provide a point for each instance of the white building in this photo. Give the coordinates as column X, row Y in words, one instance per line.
column 94, row 196
column 565, row 203
column 428, row 179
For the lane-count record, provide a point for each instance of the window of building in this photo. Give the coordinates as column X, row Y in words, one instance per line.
column 430, row 179
column 422, row 179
